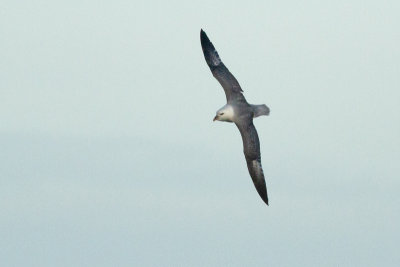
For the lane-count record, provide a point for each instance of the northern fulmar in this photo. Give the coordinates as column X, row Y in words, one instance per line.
column 240, row 112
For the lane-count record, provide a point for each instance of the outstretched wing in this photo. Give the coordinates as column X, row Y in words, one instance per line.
column 221, row 73
column 251, row 148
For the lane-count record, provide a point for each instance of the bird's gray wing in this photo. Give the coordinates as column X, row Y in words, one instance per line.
column 231, row 86
column 251, row 148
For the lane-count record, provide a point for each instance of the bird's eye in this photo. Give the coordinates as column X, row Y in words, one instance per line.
column 221, row 113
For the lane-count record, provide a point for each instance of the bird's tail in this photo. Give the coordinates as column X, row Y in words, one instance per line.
column 260, row 110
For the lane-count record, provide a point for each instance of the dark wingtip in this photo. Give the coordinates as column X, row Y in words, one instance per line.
column 210, row 54
column 204, row 39
column 264, row 198
column 262, row 191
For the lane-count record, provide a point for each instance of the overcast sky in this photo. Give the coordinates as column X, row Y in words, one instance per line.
column 109, row 156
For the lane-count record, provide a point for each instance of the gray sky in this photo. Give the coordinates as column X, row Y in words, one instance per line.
column 109, row 157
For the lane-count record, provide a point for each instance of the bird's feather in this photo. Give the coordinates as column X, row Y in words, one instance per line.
column 231, row 86
column 251, row 149
column 243, row 114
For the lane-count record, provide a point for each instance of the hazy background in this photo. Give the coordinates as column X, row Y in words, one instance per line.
column 109, row 157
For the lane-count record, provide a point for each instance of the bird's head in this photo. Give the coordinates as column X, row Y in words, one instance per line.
column 224, row 114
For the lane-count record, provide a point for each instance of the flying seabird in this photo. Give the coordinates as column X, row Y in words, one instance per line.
column 238, row 111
